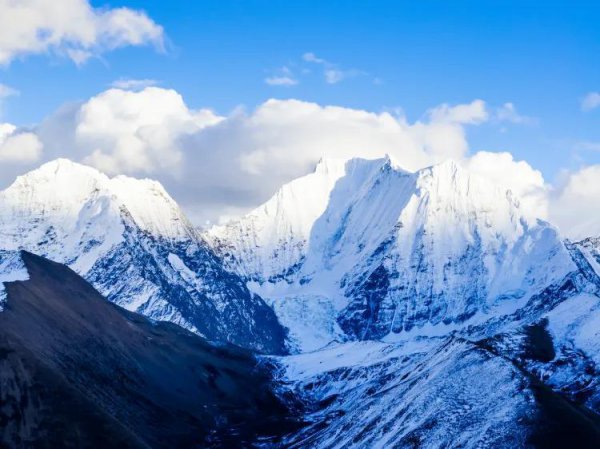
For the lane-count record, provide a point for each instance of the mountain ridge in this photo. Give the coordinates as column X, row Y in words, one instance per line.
column 131, row 240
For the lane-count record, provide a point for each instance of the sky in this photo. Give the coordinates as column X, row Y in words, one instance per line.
column 209, row 97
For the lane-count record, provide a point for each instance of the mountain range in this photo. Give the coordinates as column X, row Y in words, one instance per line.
column 416, row 309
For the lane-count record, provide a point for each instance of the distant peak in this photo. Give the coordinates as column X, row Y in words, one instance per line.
column 339, row 164
column 63, row 166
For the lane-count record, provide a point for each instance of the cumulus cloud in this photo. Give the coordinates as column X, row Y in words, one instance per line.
column 590, row 101
column 217, row 166
column 574, row 203
column 220, row 167
column 121, row 131
column 71, row 28
column 18, row 146
column 521, row 178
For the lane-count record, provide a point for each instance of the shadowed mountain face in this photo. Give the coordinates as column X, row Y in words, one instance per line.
column 78, row 371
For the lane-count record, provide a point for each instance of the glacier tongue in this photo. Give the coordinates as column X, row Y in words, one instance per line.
column 129, row 238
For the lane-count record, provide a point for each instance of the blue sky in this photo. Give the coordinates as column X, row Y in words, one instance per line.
column 541, row 56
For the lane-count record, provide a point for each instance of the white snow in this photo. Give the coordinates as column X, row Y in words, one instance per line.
column 74, row 214
column 12, row 269
column 576, row 322
column 441, row 232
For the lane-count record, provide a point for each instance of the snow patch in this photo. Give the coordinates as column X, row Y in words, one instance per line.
column 12, row 269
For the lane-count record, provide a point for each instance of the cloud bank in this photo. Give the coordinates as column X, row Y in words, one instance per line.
column 221, row 166
column 71, row 28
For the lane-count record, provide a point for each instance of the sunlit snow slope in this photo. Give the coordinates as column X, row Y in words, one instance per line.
column 372, row 251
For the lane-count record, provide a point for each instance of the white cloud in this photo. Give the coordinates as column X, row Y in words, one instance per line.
column 71, row 28
column 574, row 204
column 508, row 113
column 283, row 77
column 133, row 84
column 471, row 113
column 525, row 182
column 332, row 73
column 311, row 57
column 219, row 167
column 334, row 76
column 136, row 132
column 245, row 158
column 216, row 164
column 6, row 91
column 590, row 101
column 281, row 81
column 18, row 146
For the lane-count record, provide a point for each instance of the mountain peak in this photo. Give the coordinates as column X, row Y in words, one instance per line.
column 64, row 167
column 62, row 188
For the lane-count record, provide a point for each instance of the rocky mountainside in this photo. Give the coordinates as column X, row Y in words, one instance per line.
column 382, row 253
column 423, row 309
column 132, row 242
column 427, row 309
column 79, row 372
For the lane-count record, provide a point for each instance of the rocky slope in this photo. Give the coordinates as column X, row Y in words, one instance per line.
column 79, row 372
column 132, row 242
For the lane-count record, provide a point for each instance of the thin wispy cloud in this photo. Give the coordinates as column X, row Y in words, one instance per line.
column 588, row 146
column 311, row 57
column 7, row 91
column 133, row 84
column 590, row 101
column 508, row 113
column 283, row 77
column 332, row 72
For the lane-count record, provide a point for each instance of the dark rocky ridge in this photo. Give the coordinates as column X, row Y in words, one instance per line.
column 79, row 372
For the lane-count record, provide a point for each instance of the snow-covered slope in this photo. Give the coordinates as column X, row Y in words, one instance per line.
column 393, row 253
column 12, row 269
column 435, row 393
column 129, row 238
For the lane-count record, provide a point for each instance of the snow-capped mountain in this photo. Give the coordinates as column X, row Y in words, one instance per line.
column 479, row 324
column 373, row 251
column 426, row 309
column 129, row 238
